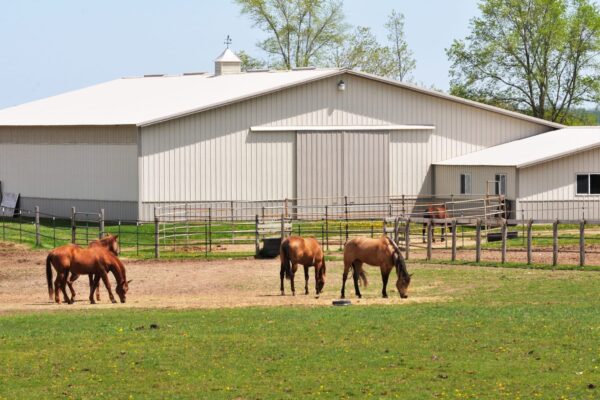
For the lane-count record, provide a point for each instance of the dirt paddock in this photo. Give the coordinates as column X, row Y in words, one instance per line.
column 186, row 284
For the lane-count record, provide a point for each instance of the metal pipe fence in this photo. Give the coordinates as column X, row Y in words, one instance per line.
column 475, row 229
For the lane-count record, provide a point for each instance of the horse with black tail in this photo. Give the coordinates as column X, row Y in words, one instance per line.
column 382, row 252
column 296, row 250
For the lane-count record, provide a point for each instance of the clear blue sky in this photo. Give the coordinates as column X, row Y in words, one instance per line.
column 50, row 47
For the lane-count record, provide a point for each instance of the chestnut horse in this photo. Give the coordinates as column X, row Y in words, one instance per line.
column 296, row 250
column 436, row 212
column 110, row 243
column 382, row 252
column 96, row 260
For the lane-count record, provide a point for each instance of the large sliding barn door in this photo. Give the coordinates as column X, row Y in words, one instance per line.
column 331, row 165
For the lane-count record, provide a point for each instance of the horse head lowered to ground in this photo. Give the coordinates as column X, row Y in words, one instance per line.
column 296, row 250
column 382, row 252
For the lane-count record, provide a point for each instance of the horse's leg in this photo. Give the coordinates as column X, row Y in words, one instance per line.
column 91, row 276
column 70, row 281
column 95, row 284
column 344, row 277
column 444, row 232
column 306, row 278
column 63, row 287
column 282, row 275
column 355, row 268
column 385, row 274
column 293, row 272
column 104, row 277
column 57, row 288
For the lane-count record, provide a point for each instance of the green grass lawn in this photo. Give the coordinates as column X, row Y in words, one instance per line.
column 502, row 333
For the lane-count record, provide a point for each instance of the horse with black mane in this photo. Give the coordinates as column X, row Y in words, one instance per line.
column 382, row 252
column 296, row 250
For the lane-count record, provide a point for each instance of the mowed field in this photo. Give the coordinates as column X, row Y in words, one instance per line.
column 220, row 329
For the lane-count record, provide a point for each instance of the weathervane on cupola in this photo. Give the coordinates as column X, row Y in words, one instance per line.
column 228, row 41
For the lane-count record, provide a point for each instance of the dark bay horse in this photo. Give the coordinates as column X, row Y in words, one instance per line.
column 96, row 260
column 436, row 212
column 296, row 250
column 110, row 243
column 382, row 252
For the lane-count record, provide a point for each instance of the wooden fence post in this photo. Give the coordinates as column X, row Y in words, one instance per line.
column 503, row 231
column 256, row 236
column 555, row 243
column 478, row 241
column 283, row 227
column 529, row 241
column 582, row 243
column 407, row 237
column 385, row 226
column 73, row 225
column 156, row 234
column 327, row 227
column 101, row 233
column 429, row 238
column 38, row 241
column 453, row 227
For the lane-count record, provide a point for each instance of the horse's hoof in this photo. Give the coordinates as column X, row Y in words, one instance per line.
column 359, row 296
column 385, row 296
column 282, row 293
column 114, row 301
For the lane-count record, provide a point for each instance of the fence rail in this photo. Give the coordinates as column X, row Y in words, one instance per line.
column 474, row 227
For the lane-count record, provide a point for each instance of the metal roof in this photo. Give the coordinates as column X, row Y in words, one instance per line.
column 147, row 100
column 228, row 56
column 534, row 149
column 157, row 98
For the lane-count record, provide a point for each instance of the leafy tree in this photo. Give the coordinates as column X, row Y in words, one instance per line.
column 404, row 62
column 249, row 62
column 536, row 56
column 361, row 51
column 299, row 31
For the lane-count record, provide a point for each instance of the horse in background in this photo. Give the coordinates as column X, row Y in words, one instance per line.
column 382, row 252
column 436, row 212
column 296, row 250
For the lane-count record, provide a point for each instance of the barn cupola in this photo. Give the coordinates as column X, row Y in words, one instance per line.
column 228, row 62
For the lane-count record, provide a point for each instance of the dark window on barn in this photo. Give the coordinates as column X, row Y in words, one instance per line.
column 588, row 183
column 500, row 184
column 594, row 183
column 465, row 183
column 582, row 184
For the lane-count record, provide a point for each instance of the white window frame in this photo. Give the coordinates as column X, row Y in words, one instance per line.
column 468, row 187
column 498, row 183
column 589, row 174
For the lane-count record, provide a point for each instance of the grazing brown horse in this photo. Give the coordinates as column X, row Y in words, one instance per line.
column 97, row 261
column 382, row 252
column 110, row 243
column 296, row 250
column 436, row 212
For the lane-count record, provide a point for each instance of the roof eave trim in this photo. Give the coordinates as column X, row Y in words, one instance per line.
column 559, row 155
column 279, row 88
column 309, row 128
column 457, row 99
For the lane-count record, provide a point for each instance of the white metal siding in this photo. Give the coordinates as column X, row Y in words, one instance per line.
column 547, row 190
column 212, row 156
column 447, row 179
column 52, row 163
